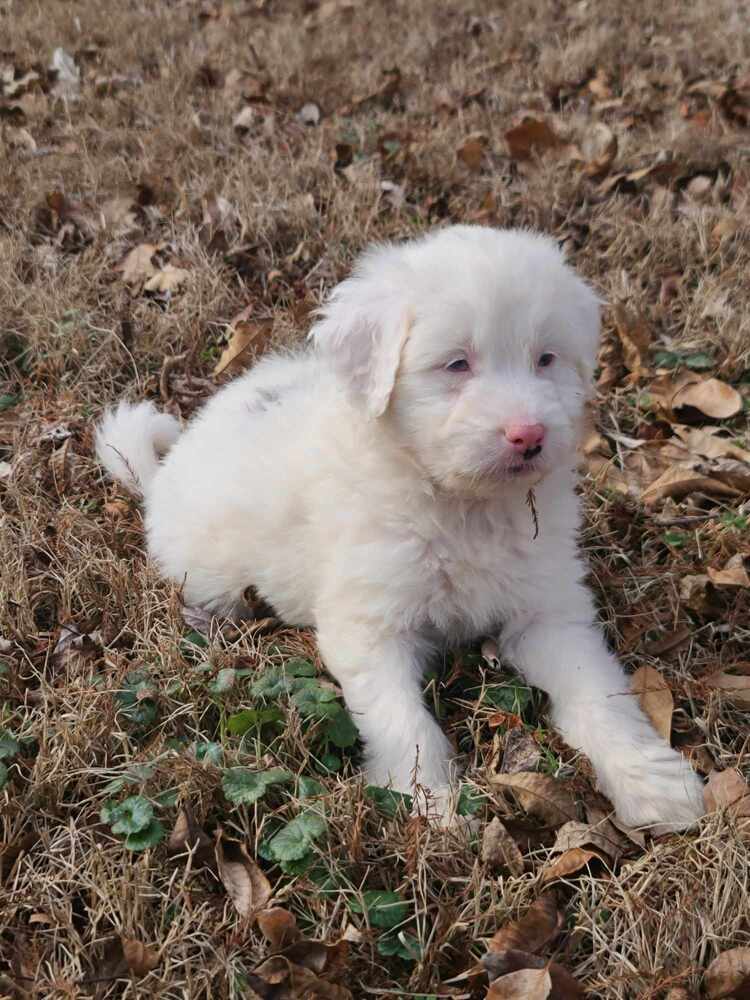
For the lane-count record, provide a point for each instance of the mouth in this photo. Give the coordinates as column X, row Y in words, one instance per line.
column 522, row 469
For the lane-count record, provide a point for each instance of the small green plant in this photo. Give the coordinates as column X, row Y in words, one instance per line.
column 388, row 801
column 244, row 787
column 676, row 539
column 401, row 945
column 315, row 703
column 678, row 359
column 384, row 909
column 9, row 747
column 136, row 702
column 734, row 521
column 133, row 819
column 508, row 697
column 291, row 846
column 470, row 801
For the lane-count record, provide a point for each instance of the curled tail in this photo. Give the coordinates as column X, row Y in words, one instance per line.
column 130, row 441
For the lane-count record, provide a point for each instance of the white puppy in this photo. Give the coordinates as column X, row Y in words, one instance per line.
column 375, row 486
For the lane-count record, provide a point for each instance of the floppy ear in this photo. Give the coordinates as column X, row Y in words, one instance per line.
column 587, row 319
column 362, row 328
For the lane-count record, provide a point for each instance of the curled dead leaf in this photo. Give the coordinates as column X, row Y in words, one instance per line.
column 187, row 834
column 655, row 698
column 570, row 862
column 499, row 849
column 531, row 932
column 300, row 969
column 538, row 794
column 140, row 958
column 710, row 397
column 278, row 926
column 244, row 336
column 728, row 975
column 525, row 984
column 246, row 885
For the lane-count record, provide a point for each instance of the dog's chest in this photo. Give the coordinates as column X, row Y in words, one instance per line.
column 474, row 570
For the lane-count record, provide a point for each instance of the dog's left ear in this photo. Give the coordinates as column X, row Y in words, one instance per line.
column 362, row 328
column 587, row 323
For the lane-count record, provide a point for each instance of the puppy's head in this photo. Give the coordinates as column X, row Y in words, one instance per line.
column 475, row 345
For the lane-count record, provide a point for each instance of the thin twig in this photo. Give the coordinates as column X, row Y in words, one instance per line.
column 531, row 504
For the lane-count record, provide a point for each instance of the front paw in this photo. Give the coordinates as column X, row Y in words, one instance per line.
column 654, row 787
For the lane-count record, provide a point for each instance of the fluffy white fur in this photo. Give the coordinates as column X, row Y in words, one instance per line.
column 365, row 489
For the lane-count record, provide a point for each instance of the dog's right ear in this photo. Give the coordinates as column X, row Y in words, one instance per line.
column 362, row 328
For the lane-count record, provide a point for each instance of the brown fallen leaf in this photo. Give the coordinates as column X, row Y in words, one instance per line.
column 300, row 968
column 243, row 335
column 683, row 479
column 706, row 442
column 655, row 698
column 538, row 794
column 599, row 148
column 711, row 397
column 187, row 834
column 74, row 648
column 620, row 834
column 728, row 975
column 503, row 963
column 569, row 862
column 538, row 926
column 140, row 958
column 669, row 641
column 635, row 338
column 600, row 835
column 725, row 229
column 278, row 926
column 735, row 686
column 734, row 475
column 526, row 984
column 531, row 136
column 137, row 265
column 166, row 280
column 246, row 885
column 727, row 790
column 499, row 849
column 471, row 153
column 733, row 574
column 520, row 752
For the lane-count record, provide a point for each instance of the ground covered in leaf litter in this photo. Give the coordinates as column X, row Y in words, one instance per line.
column 181, row 182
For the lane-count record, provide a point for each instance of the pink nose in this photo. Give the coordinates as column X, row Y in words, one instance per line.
column 525, row 437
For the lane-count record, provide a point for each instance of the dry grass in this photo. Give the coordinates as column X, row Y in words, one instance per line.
column 74, row 337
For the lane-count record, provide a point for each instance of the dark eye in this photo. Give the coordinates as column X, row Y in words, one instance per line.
column 546, row 360
column 459, row 365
